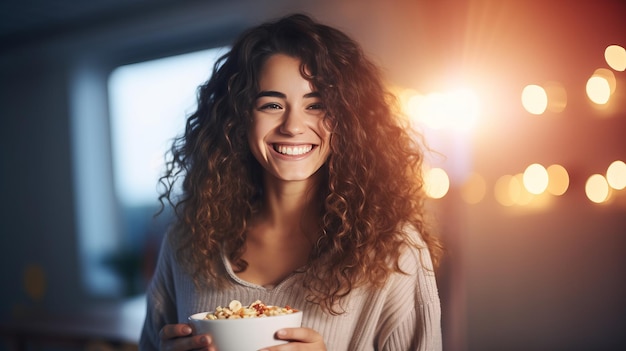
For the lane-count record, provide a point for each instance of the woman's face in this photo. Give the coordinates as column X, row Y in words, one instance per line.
column 288, row 135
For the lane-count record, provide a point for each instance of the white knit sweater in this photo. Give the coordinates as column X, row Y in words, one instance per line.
column 405, row 314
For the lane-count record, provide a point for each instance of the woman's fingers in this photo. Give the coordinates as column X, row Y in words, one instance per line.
column 178, row 337
column 306, row 335
column 299, row 339
column 171, row 331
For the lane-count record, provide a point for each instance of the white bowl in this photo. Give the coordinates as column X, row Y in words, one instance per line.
column 246, row 334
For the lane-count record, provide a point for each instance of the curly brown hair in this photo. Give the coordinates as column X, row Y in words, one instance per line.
column 373, row 185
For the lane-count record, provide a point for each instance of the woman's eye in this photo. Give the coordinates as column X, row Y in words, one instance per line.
column 270, row 107
column 316, row 106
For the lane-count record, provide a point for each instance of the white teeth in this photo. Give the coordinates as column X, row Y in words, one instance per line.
column 293, row 150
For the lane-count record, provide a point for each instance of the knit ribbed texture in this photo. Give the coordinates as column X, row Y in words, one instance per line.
column 404, row 314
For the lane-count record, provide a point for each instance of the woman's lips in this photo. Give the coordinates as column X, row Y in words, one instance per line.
column 293, row 150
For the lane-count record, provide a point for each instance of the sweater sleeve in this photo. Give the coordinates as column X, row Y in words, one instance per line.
column 160, row 296
column 413, row 312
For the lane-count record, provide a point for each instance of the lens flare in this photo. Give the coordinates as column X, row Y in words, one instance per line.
column 452, row 110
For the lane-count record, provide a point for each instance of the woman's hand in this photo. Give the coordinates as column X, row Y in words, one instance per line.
column 177, row 337
column 300, row 339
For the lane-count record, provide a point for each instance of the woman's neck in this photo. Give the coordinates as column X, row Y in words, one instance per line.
column 283, row 233
column 290, row 207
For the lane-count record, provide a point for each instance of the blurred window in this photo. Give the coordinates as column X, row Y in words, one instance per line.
column 148, row 103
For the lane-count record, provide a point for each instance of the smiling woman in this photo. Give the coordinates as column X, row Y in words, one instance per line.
column 301, row 187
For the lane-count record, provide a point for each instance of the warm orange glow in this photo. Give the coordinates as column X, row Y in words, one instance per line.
column 430, row 110
column 597, row 188
column 457, row 110
column 534, row 99
column 615, row 56
column 464, row 108
column 474, row 189
column 535, row 179
column 437, row 183
column 412, row 105
column 404, row 96
column 616, row 175
column 558, row 180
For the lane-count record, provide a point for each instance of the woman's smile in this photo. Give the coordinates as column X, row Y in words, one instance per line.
column 293, row 150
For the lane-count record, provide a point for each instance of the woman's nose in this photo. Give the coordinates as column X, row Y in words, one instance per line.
column 293, row 123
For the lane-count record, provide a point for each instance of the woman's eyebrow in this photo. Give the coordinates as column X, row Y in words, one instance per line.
column 313, row 94
column 271, row 93
column 278, row 94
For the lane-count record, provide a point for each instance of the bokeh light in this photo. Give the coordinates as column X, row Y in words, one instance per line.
column 535, row 179
column 518, row 190
column 616, row 175
column 598, row 90
column 615, row 57
column 609, row 76
column 558, row 180
column 502, row 192
column 534, row 99
column 437, row 183
column 557, row 96
column 597, row 188
column 34, row 281
column 474, row 189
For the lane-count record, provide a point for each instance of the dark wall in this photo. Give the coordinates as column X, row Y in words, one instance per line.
column 37, row 222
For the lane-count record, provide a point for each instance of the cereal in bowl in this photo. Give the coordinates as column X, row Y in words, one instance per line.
column 257, row 309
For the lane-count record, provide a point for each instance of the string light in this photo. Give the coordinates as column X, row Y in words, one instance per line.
column 458, row 109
